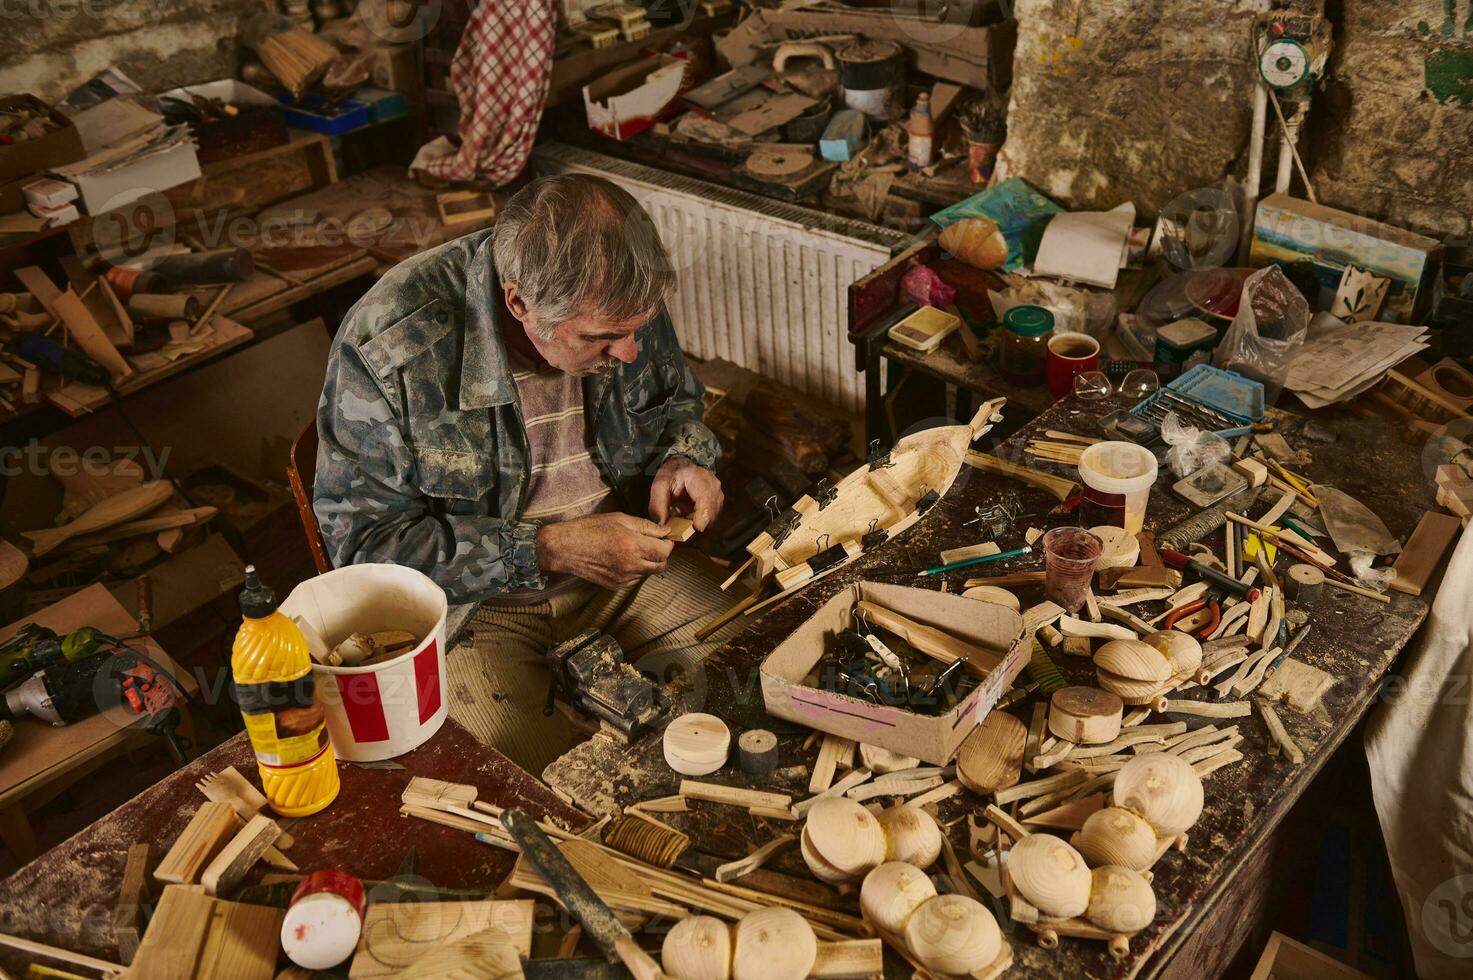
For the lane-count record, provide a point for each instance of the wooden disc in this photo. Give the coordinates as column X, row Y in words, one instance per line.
column 991, row 758
column 696, row 744
column 1303, row 582
column 757, row 752
column 1121, row 549
column 1085, row 715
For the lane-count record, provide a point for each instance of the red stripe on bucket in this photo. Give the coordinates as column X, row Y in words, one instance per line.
column 427, row 681
column 364, row 707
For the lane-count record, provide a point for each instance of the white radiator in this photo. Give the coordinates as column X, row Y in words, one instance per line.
column 762, row 284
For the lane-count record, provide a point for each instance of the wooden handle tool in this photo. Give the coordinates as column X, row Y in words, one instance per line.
column 578, row 897
column 929, row 640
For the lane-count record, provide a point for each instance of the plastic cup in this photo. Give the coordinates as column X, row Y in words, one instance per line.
column 1117, row 478
column 1069, row 555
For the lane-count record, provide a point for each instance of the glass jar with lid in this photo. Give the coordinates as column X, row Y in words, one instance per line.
column 1022, row 347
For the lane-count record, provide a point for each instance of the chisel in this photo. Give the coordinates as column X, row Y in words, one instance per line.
column 578, row 897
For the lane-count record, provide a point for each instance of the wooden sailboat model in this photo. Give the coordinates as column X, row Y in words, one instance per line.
column 869, row 506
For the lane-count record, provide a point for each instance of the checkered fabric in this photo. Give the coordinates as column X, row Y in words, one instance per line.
column 501, row 72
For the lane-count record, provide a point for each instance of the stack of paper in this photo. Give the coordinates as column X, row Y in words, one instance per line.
column 1341, row 360
column 1086, row 246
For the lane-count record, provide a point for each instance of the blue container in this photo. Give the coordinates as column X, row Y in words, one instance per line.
column 305, row 113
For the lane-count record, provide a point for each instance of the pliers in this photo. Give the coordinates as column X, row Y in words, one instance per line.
column 1206, row 602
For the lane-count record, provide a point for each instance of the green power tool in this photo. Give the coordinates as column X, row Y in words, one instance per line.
column 36, row 646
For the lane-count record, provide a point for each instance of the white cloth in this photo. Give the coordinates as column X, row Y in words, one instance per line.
column 1419, row 745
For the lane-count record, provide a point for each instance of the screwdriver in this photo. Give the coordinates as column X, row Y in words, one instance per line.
column 1224, row 581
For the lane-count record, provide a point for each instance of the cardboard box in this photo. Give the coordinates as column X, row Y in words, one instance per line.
column 932, row 738
column 60, row 146
column 629, row 100
column 259, row 125
column 110, row 189
column 1287, row 230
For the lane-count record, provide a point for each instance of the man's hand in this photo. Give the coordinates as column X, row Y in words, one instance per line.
column 611, row 550
column 678, row 478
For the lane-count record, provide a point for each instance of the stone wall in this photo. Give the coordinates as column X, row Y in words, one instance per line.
column 1395, row 137
column 1129, row 100
column 1140, row 100
column 54, row 45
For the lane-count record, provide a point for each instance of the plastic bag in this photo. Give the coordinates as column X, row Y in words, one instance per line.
column 1272, row 320
column 1191, row 448
column 923, row 287
column 1074, row 310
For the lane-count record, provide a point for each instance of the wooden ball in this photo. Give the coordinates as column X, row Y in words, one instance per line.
column 1181, row 650
column 1120, row 900
column 773, row 944
column 698, row 948
column 1163, row 788
column 845, row 835
column 1050, row 874
column 822, row 870
column 1135, row 660
column 1117, row 836
column 953, row 934
column 994, row 595
column 911, row 835
column 892, row 892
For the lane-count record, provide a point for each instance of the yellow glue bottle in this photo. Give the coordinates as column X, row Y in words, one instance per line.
column 273, row 685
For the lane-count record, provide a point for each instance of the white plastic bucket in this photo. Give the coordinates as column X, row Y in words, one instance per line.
column 1117, row 479
column 385, row 709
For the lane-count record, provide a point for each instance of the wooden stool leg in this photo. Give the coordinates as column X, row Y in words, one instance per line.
column 15, row 831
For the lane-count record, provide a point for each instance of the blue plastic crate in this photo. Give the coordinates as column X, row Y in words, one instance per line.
column 300, row 115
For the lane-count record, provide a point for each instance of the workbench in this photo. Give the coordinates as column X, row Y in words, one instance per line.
column 65, row 897
column 1210, row 897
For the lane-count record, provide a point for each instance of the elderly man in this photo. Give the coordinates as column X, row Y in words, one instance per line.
column 501, row 413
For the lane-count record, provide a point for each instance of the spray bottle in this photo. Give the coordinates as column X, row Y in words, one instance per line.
column 273, row 684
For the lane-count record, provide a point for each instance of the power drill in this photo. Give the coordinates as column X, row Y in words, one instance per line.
column 112, row 675
column 35, row 647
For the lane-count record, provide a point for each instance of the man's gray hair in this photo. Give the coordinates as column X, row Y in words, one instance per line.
column 580, row 245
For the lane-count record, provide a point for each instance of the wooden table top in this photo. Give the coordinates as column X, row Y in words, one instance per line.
column 1354, row 639
column 66, row 896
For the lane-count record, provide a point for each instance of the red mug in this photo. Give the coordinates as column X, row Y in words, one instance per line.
column 1070, row 354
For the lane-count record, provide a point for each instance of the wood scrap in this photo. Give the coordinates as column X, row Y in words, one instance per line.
column 1069, row 815
column 229, row 786
column 1281, row 737
column 1297, row 684
column 1209, row 709
column 437, row 793
column 733, row 795
column 230, row 865
column 736, row 869
column 832, row 751
column 133, row 895
column 1423, row 551
column 208, row 831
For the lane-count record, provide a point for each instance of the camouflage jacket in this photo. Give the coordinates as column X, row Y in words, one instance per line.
column 423, row 458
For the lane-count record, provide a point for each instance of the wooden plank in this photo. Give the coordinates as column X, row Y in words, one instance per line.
column 1424, row 551
column 209, row 830
column 232, row 862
